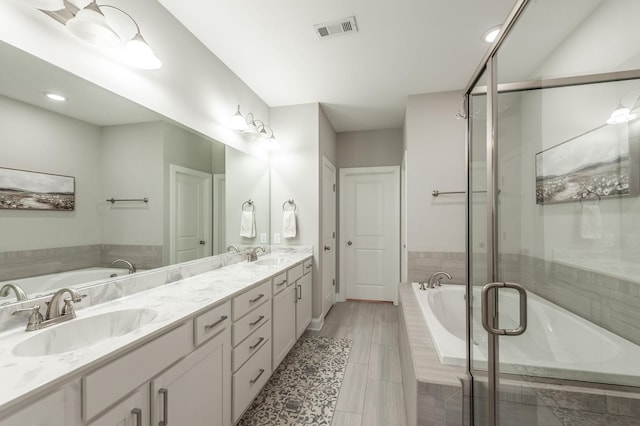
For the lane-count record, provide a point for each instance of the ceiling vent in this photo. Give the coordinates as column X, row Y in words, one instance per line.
column 335, row 28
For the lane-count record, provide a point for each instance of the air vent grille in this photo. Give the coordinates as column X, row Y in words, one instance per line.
column 339, row 27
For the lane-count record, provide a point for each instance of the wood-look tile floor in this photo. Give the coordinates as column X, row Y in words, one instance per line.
column 371, row 393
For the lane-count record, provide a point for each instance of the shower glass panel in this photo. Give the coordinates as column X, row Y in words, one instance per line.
column 567, row 216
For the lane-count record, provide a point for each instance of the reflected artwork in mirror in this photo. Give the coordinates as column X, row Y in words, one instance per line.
column 114, row 149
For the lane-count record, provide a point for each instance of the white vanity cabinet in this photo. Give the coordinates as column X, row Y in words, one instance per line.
column 303, row 305
column 196, row 390
column 284, row 323
column 251, row 313
column 51, row 410
column 133, row 411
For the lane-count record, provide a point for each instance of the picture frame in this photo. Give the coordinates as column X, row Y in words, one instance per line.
column 598, row 164
column 28, row 190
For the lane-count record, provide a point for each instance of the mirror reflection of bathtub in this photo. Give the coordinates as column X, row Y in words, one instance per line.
column 565, row 345
column 44, row 284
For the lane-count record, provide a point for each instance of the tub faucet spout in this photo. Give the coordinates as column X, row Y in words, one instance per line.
column 130, row 265
column 19, row 292
column 435, row 278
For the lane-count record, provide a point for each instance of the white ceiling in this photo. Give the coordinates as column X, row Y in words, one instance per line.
column 403, row 47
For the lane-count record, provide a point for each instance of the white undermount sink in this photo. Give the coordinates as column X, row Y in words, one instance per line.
column 82, row 332
column 270, row 261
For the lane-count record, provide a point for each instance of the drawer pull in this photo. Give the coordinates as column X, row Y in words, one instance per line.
column 282, row 282
column 252, row 381
column 256, row 299
column 300, row 293
column 165, row 407
column 138, row 413
column 210, row 326
column 260, row 318
column 309, row 266
column 255, row 345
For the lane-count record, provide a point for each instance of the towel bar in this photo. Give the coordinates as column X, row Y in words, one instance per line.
column 249, row 203
column 291, row 203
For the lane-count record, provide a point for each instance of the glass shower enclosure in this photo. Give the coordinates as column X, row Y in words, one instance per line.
column 553, row 223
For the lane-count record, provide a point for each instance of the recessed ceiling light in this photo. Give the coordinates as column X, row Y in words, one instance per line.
column 490, row 35
column 55, row 97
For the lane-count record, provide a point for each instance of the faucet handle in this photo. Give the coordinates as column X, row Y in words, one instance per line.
column 35, row 317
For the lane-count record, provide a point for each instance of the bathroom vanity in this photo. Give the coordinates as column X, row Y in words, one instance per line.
column 193, row 352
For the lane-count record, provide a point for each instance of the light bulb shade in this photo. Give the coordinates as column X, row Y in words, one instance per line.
column 238, row 122
column 139, row 54
column 622, row 114
column 90, row 25
column 51, row 5
column 272, row 144
column 251, row 129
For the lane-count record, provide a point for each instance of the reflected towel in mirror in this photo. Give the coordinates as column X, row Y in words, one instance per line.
column 248, row 224
column 289, row 224
column 591, row 222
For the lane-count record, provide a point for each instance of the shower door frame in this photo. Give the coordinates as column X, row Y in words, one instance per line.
column 488, row 66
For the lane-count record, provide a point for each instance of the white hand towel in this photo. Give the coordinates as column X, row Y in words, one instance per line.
column 248, row 224
column 591, row 222
column 289, row 224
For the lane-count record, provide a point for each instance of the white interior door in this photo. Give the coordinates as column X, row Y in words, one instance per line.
column 190, row 217
column 219, row 213
column 328, row 235
column 370, row 232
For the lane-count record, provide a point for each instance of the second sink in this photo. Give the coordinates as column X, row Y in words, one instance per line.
column 271, row 261
column 82, row 332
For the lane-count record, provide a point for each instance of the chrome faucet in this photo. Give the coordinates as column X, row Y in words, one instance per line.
column 131, row 266
column 20, row 294
column 252, row 256
column 54, row 315
column 435, row 278
column 233, row 249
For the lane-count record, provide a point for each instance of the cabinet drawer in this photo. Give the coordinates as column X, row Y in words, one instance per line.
column 307, row 265
column 251, row 345
column 132, row 411
column 279, row 283
column 248, row 381
column 294, row 273
column 211, row 323
column 106, row 385
column 245, row 302
column 251, row 322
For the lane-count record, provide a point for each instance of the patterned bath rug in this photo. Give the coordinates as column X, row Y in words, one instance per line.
column 304, row 389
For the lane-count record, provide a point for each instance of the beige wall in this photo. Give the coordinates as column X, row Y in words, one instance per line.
column 369, row 148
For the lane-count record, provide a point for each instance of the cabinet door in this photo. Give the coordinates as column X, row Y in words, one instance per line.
column 303, row 307
column 197, row 390
column 133, row 411
column 49, row 411
column 284, row 324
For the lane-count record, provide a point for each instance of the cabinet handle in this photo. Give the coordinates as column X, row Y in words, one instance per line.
column 165, row 409
column 210, row 326
column 255, row 345
column 311, row 264
column 252, row 381
column 260, row 318
column 300, row 293
column 138, row 413
column 282, row 282
column 256, row 299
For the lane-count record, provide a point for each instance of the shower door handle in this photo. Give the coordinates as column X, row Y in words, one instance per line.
column 488, row 314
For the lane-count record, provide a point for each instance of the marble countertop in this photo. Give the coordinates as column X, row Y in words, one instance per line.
column 174, row 303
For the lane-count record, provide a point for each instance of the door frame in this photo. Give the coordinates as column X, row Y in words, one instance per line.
column 174, row 169
column 219, row 208
column 343, row 219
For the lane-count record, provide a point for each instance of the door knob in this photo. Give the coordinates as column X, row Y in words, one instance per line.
column 349, row 243
column 202, row 242
column 327, row 248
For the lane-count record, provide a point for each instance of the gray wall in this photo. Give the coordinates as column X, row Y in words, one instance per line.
column 369, row 148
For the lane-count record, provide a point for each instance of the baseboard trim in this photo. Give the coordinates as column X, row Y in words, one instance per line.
column 316, row 324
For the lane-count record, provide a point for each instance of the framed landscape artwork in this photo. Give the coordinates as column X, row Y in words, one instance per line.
column 24, row 190
column 595, row 165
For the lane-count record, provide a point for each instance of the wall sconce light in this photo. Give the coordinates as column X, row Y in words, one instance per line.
column 623, row 114
column 255, row 128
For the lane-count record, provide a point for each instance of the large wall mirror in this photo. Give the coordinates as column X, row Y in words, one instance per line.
column 146, row 190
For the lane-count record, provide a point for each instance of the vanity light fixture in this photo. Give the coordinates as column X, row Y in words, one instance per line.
column 623, row 114
column 55, row 97
column 90, row 25
column 51, row 5
column 491, row 34
column 257, row 129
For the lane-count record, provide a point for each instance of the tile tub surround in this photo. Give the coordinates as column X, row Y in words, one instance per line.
column 433, row 392
column 182, row 299
column 421, row 264
column 25, row 263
